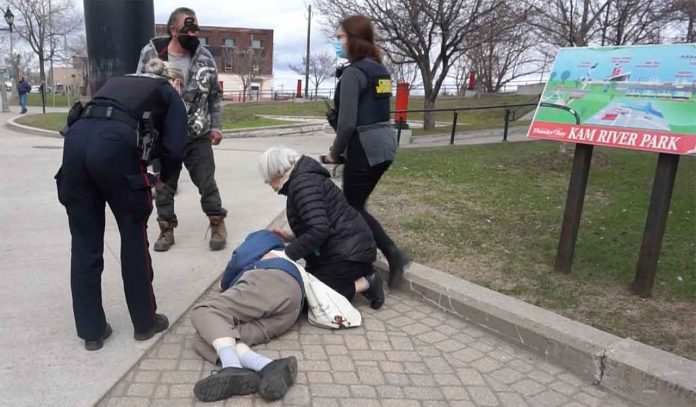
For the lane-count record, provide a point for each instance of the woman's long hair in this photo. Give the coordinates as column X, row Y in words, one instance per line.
column 360, row 35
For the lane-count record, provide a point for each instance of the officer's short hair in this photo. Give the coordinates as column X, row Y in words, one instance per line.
column 276, row 161
column 174, row 17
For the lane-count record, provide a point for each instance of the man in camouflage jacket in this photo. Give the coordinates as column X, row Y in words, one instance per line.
column 202, row 96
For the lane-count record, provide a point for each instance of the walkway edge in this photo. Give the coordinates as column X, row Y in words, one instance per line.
column 12, row 124
column 641, row 373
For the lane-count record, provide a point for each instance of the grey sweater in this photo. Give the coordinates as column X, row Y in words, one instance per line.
column 378, row 140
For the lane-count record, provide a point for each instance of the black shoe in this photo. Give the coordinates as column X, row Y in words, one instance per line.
column 227, row 382
column 96, row 345
column 398, row 261
column 277, row 377
column 376, row 291
column 161, row 323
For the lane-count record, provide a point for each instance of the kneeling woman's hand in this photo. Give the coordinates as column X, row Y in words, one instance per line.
column 285, row 234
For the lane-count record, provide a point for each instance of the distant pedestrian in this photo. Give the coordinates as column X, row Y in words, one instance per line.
column 23, row 89
column 365, row 137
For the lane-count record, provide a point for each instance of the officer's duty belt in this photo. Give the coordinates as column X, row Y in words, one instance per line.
column 109, row 113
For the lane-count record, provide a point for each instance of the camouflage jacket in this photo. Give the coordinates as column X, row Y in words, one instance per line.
column 202, row 94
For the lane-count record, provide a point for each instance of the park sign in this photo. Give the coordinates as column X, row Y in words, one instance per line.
column 635, row 97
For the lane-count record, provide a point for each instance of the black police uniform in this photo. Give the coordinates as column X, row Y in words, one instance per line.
column 102, row 163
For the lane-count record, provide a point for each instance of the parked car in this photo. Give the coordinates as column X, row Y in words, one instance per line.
column 35, row 89
column 8, row 85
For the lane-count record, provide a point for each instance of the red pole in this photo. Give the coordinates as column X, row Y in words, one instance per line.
column 402, row 92
column 299, row 88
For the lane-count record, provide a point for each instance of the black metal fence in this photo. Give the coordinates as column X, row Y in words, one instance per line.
column 510, row 114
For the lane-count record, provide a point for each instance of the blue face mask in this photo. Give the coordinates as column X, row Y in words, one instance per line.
column 340, row 52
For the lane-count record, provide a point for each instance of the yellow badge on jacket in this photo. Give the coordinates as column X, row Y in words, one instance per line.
column 383, row 86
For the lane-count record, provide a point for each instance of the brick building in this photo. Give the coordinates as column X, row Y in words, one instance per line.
column 240, row 53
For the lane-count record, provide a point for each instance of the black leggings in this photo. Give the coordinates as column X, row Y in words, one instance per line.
column 359, row 180
column 340, row 276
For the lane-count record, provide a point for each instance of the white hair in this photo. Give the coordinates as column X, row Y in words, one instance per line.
column 276, row 161
column 156, row 67
column 173, row 72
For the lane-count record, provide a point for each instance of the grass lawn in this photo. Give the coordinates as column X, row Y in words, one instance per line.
column 236, row 116
column 34, row 99
column 48, row 121
column 236, row 119
column 472, row 120
column 491, row 214
column 231, row 120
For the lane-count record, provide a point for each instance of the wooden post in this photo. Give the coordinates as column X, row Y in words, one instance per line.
column 655, row 224
column 574, row 201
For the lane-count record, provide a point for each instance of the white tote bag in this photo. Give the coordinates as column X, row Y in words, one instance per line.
column 327, row 308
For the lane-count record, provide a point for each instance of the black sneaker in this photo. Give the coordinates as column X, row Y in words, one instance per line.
column 230, row 381
column 398, row 261
column 161, row 324
column 376, row 291
column 277, row 377
column 97, row 344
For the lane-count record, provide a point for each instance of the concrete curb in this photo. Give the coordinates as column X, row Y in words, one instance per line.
column 273, row 131
column 638, row 372
column 12, row 124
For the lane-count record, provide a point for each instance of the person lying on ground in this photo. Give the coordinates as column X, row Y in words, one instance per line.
column 261, row 298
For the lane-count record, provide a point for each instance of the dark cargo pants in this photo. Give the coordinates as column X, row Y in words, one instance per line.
column 200, row 163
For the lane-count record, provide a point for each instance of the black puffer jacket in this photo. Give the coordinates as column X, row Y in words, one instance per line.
column 328, row 230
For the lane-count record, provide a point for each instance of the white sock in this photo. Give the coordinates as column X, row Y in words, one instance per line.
column 225, row 348
column 250, row 359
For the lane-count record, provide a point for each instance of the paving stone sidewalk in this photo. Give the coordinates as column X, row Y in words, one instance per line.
column 409, row 353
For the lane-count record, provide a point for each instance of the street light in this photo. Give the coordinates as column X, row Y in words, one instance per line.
column 9, row 19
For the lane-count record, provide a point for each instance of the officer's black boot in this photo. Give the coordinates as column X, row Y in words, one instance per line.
column 218, row 235
column 166, row 237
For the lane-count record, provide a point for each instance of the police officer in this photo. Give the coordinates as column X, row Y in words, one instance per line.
column 103, row 163
column 365, row 138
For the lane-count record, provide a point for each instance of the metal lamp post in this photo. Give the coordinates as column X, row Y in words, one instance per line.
column 9, row 19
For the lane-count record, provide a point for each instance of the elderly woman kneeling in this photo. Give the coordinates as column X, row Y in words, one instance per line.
column 326, row 231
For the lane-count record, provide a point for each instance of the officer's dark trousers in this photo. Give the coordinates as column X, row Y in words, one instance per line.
column 100, row 165
column 200, row 164
column 359, row 180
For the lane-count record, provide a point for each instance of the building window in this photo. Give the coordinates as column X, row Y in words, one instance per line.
column 228, row 64
column 203, row 40
column 257, row 44
column 229, row 42
column 255, row 69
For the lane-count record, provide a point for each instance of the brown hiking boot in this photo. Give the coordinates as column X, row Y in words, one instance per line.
column 218, row 236
column 166, row 237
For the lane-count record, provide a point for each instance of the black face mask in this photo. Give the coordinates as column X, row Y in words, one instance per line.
column 189, row 42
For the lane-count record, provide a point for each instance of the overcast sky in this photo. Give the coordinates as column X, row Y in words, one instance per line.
column 287, row 18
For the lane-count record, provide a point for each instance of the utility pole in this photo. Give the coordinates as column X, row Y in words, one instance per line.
column 53, row 50
column 309, row 31
column 116, row 31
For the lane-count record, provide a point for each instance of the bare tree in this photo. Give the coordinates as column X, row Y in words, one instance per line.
column 321, row 67
column 682, row 14
column 567, row 23
column 429, row 33
column 506, row 50
column 633, row 22
column 460, row 73
column 401, row 69
column 40, row 22
column 248, row 64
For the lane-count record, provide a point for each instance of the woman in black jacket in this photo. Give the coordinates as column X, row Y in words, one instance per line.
column 327, row 232
column 364, row 134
